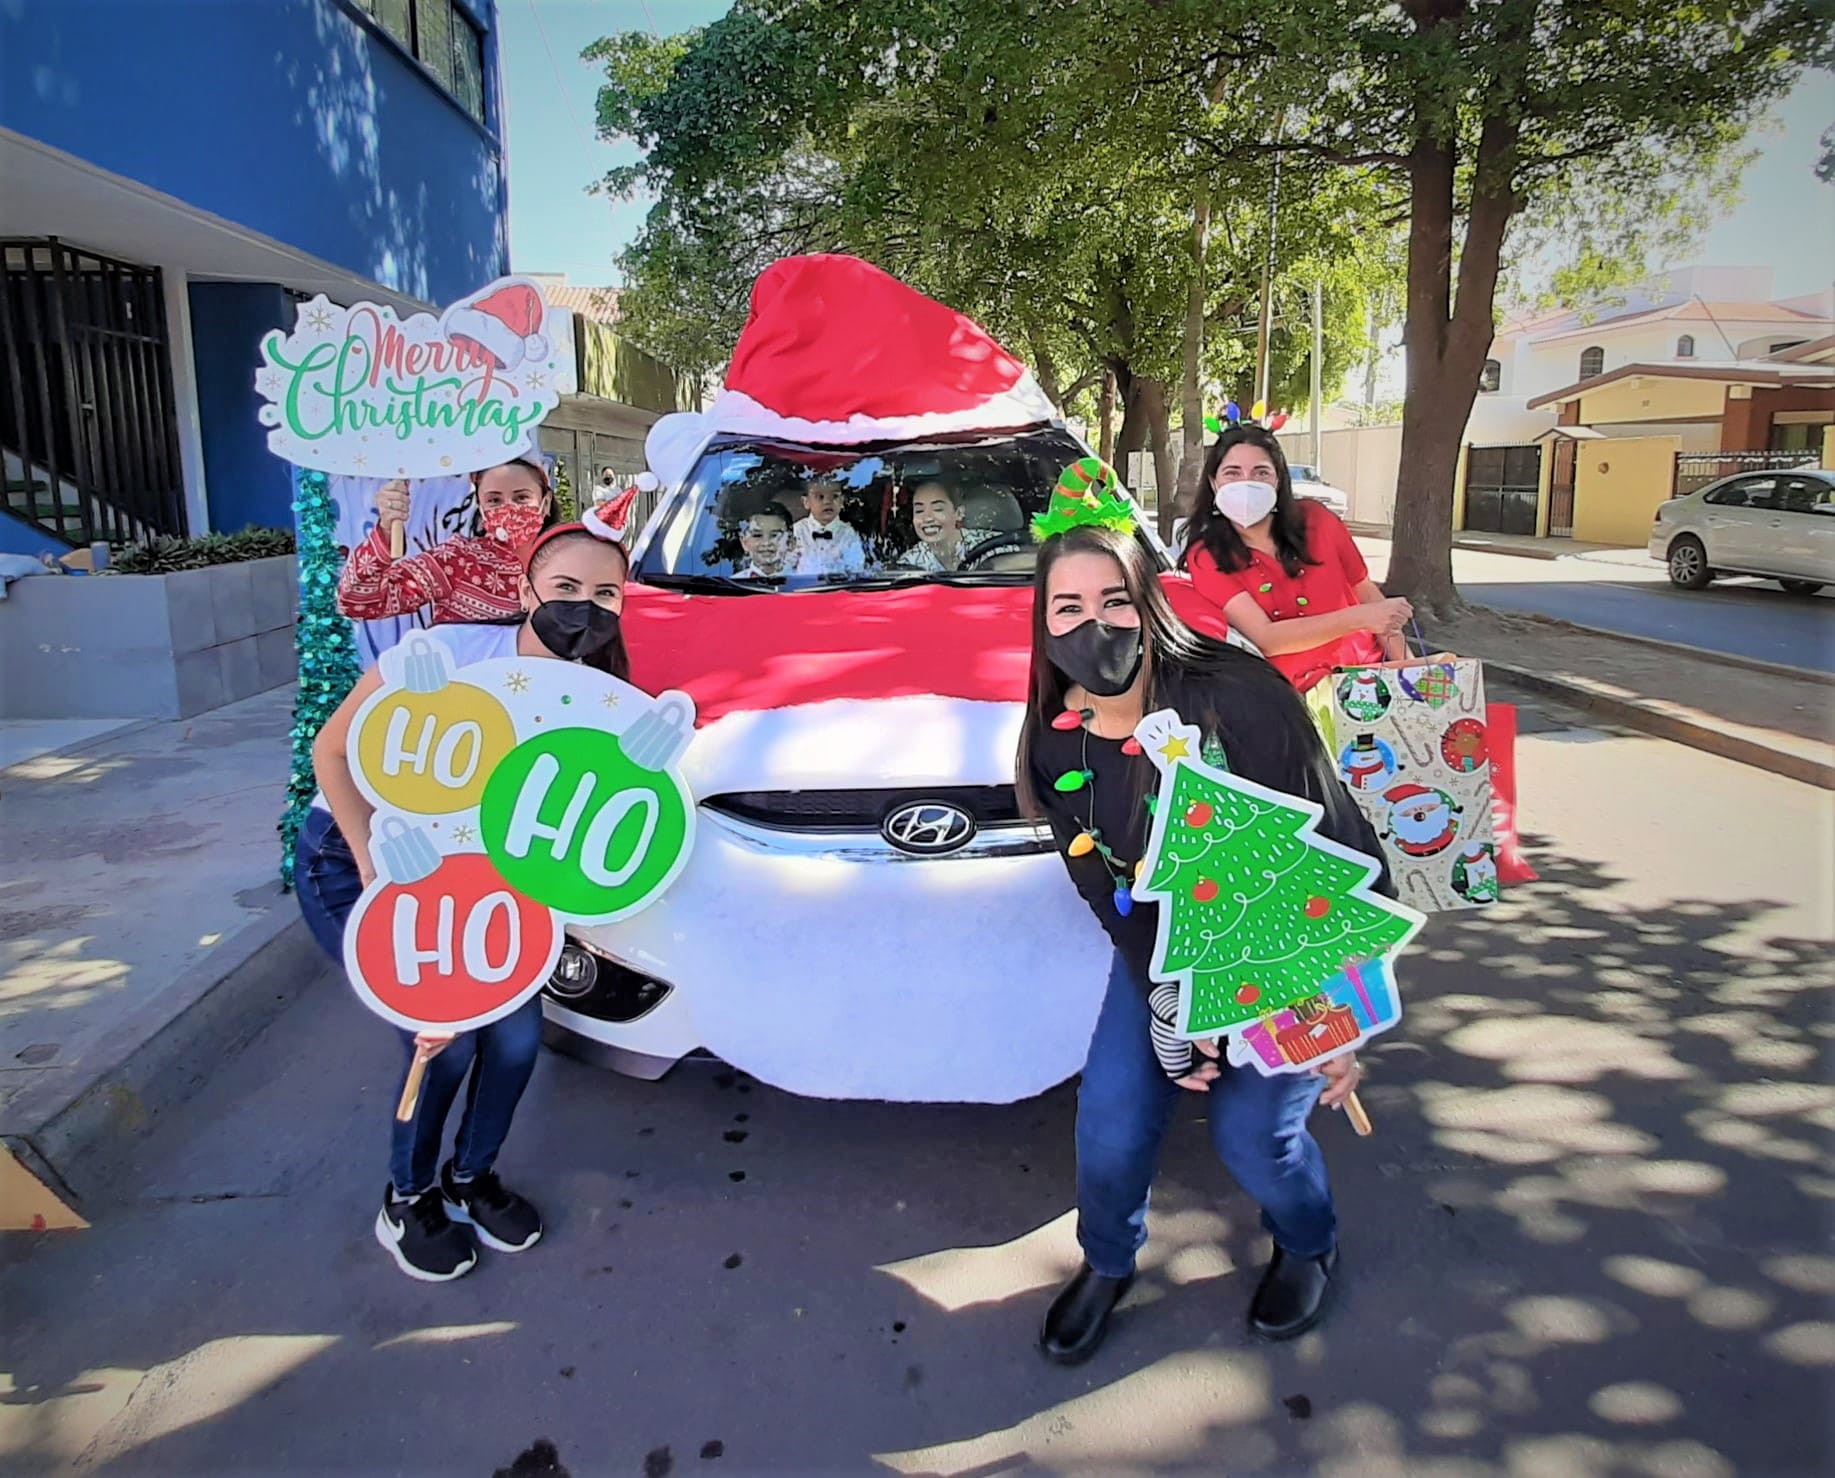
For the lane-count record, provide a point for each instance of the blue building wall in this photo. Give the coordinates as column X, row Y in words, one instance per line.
column 295, row 118
column 300, row 120
column 248, row 483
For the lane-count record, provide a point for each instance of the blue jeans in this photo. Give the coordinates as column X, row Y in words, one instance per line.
column 498, row 1058
column 1258, row 1127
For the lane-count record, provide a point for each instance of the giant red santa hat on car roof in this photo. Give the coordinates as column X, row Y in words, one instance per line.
column 837, row 352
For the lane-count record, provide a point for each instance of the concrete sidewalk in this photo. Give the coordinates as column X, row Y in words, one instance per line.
column 138, row 874
column 1773, row 718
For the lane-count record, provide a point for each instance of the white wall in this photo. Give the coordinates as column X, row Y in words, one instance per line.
column 1363, row 462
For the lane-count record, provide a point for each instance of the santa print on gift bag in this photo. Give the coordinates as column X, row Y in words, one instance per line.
column 1258, row 913
column 513, row 796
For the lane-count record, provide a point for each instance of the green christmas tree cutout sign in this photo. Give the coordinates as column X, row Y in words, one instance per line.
column 1257, row 910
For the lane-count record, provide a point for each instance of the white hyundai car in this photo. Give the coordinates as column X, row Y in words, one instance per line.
column 1777, row 524
column 866, row 914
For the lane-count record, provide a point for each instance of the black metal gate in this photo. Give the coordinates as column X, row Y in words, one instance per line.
column 1501, row 489
column 1696, row 470
column 88, row 433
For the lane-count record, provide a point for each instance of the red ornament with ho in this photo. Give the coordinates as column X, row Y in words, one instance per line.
column 444, row 944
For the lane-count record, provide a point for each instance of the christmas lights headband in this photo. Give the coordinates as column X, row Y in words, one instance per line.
column 1088, row 495
column 1232, row 416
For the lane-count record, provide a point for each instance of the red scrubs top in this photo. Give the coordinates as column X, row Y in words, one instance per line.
column 1327, row 582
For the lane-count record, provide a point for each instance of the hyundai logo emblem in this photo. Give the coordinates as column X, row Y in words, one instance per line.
column 928, row 828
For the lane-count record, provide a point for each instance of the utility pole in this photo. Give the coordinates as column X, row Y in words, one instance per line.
column 1318, row 384
column 1265, row 319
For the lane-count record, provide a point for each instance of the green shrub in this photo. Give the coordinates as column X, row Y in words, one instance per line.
column 167, row 556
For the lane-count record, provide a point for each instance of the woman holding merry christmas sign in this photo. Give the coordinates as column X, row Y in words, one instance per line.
column 1107, row 650
column 571, row 592
column 469, row 577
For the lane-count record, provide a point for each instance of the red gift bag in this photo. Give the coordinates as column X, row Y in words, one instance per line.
column 1512, row 866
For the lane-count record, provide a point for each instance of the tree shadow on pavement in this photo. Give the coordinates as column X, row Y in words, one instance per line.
column 1586, row 1240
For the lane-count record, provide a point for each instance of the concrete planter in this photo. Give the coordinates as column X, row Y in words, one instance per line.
column 146, row 646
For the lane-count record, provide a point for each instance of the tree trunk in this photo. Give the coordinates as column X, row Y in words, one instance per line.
column 1105, row 415
column 1445, row 340
column 1133, row 433
column 1191, row 392
column 1155, row 399
column 1045, row 368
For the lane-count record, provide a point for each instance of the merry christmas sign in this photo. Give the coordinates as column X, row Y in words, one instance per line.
column 361, row 392
column 1260, row 917
column 513, row 797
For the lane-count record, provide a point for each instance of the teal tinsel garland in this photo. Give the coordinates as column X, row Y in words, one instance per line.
column 327, row 651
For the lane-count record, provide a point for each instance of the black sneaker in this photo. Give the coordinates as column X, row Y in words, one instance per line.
column 422, row 1239
column 503, row 1219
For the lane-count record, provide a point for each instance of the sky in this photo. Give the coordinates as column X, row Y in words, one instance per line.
column 1786, row 219
column 554, row 149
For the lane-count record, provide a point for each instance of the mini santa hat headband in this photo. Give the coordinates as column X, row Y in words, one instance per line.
column 609, row 523
column 1232, row 415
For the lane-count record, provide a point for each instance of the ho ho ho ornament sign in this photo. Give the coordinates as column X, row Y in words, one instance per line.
column 512, row 796
column 361, row 392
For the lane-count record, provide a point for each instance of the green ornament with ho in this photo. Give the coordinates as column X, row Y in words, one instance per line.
column 1257, row 911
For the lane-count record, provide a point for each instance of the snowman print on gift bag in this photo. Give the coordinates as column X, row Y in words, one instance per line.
column 1367, row 763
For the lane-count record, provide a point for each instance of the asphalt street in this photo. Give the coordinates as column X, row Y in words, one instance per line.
column 1743, row 618
column 1583, row 1241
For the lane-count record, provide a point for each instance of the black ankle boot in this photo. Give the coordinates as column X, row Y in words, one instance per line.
column 1079, row 1315
column 1291, row 1297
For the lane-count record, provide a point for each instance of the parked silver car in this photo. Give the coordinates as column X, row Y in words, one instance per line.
column 1777, row 524
column 1308, row 484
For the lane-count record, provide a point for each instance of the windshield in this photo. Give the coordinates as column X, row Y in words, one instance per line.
column 766, row 515
column 1302, row 473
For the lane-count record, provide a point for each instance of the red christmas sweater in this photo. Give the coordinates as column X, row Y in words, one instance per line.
column 459, row 579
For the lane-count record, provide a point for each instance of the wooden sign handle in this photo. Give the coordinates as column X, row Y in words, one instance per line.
column 1360, row 1121
column 411, row 1090
column 398, row 540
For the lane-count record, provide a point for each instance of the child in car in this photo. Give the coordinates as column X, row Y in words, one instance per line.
column 765, row 537
column 825, row 544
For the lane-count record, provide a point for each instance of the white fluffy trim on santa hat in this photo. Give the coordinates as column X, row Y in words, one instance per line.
column 1024, row 404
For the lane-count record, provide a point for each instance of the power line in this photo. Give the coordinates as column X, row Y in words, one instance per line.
column 650, row 18
column 566, row 102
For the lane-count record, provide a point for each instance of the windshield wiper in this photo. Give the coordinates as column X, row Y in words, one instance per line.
column 900, row 578
column 705, row 584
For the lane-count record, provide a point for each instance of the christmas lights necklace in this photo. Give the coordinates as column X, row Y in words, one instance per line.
column 1083, row 778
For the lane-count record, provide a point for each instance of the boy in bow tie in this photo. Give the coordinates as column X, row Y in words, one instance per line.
column 825, row 545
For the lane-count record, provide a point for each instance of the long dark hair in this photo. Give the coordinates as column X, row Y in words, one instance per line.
column 613, row 658
column 1220, row 537
column 1216, row 686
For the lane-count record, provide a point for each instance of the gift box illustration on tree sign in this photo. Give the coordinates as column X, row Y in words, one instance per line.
column 1259, row 915
column 1413, row 750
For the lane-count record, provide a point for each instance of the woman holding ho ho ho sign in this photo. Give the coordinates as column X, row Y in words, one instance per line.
column 446, row 750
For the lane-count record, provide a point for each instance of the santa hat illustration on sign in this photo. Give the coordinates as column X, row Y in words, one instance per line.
column 504, row 321
column 837, row 352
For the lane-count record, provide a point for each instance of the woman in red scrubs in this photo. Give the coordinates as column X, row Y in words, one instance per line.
column 1284, row 569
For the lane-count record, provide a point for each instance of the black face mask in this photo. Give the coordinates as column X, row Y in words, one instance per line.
column 1102, row 659
column 574, row 629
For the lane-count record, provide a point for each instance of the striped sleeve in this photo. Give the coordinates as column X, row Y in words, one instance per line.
column 1172, row 1050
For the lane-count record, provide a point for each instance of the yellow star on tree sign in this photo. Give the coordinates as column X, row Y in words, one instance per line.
column 1175, row 748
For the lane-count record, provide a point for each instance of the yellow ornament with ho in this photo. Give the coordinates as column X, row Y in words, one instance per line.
column 428, row 745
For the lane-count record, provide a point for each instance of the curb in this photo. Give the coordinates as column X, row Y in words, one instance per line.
column 1722, row 659
column 1660, row 724
column 221, row 1005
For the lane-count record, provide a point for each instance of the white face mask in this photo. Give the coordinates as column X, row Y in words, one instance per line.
column 1245, row 503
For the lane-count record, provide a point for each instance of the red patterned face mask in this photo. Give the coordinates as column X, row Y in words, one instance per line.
column 513, row 524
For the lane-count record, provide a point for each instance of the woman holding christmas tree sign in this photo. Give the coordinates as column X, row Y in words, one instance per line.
column 1107, row 650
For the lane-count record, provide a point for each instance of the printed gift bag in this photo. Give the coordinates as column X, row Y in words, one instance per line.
column 1413, row 747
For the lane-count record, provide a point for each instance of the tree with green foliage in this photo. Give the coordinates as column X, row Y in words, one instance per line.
column 1587, row 120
